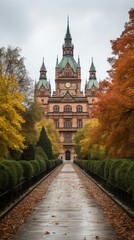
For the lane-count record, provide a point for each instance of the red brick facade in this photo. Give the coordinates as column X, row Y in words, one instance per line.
column 68, row 106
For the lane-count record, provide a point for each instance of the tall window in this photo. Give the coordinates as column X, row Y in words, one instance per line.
column 79, row 123
column 67, row 137
column 56, row 123
column 67, row 123
column 79, row 108
column 67, row 108
column 56, row 108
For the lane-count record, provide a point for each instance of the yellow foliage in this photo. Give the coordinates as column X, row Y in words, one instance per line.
column 87, row 143
column 88, row 139
column 10, row 119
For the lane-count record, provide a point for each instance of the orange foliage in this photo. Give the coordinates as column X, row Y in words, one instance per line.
column 115, row 108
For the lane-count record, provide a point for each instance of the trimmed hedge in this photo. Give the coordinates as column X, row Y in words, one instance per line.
column 36, row 167
column 42, row 164
column 119, row 172
column 4, row 178
column 27, row 169
column 13, row 172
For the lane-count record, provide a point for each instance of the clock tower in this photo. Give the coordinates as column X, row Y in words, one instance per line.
column 67, row 107
column 68, row 71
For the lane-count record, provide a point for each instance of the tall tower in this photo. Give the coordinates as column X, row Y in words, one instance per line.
column 68, row 71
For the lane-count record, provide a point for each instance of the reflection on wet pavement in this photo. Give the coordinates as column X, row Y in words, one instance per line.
column 67, row 211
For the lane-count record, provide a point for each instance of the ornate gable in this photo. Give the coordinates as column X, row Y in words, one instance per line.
column 67, row 98
column 67, row 72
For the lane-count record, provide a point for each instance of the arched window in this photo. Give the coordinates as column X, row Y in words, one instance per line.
column 67, row 74
column 67, row 108
column 79, row 108
column 56, row 108
column 67, row 123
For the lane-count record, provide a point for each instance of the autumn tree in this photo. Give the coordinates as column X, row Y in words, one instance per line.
column 87, row 143
column 115, row 109
column 13, row 65
column 32, row 116
column 79, row 135
column 10, row 115
column 45, row 143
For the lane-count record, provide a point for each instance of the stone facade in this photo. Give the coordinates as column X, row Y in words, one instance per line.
column 68, row 106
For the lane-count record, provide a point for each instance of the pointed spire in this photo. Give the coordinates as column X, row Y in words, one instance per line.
column 92, row 68
column 78, row 61
column 43, row 71
column 68, row 37
column 57, row 62
column 43, row 68
column 68, row 46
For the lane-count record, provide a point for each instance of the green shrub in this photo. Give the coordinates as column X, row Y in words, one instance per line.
column 27, row 169
column 4, row 178
column 85, row 164
column 48, row 164
column 107, row 168
column 120, row 173
column 114, row 165
column 42, row 164
column 15, row 172
column 101, row 168
column 129, row 178
column 36, row 167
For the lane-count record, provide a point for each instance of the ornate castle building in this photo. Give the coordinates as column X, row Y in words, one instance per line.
column 67, row 106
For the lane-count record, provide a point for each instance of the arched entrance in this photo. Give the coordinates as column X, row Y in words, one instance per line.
column 67, row 155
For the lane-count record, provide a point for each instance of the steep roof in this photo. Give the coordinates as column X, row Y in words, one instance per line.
column 43, row 68
column 68, row 38
column 42, row 83
column 92, row 68
column 92, row 83
column 68, row 60
column 43, row 78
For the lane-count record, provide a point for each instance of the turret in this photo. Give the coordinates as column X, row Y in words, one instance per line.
column 92, row 84
column 43, row 78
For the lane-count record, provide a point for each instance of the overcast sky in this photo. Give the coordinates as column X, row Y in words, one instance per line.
column 38, row 27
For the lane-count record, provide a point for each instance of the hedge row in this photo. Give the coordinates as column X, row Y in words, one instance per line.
column 119, row 172
column 14, row 172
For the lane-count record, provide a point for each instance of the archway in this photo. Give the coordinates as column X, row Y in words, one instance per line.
column 67, row 155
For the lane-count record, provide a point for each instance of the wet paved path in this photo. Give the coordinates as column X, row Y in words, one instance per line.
column 67, row 211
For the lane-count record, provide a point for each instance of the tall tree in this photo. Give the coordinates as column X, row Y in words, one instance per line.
column 13, row 65
column 45, row 143
column 10, row 115
column 116, row 99
column 32, row 115
column 79, row 135
column 52, row 133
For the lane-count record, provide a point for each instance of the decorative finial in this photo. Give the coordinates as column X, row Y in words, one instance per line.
column 57, row 61
column 68, row 19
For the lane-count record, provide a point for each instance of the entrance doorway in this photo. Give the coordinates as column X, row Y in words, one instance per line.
column 67, row 155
